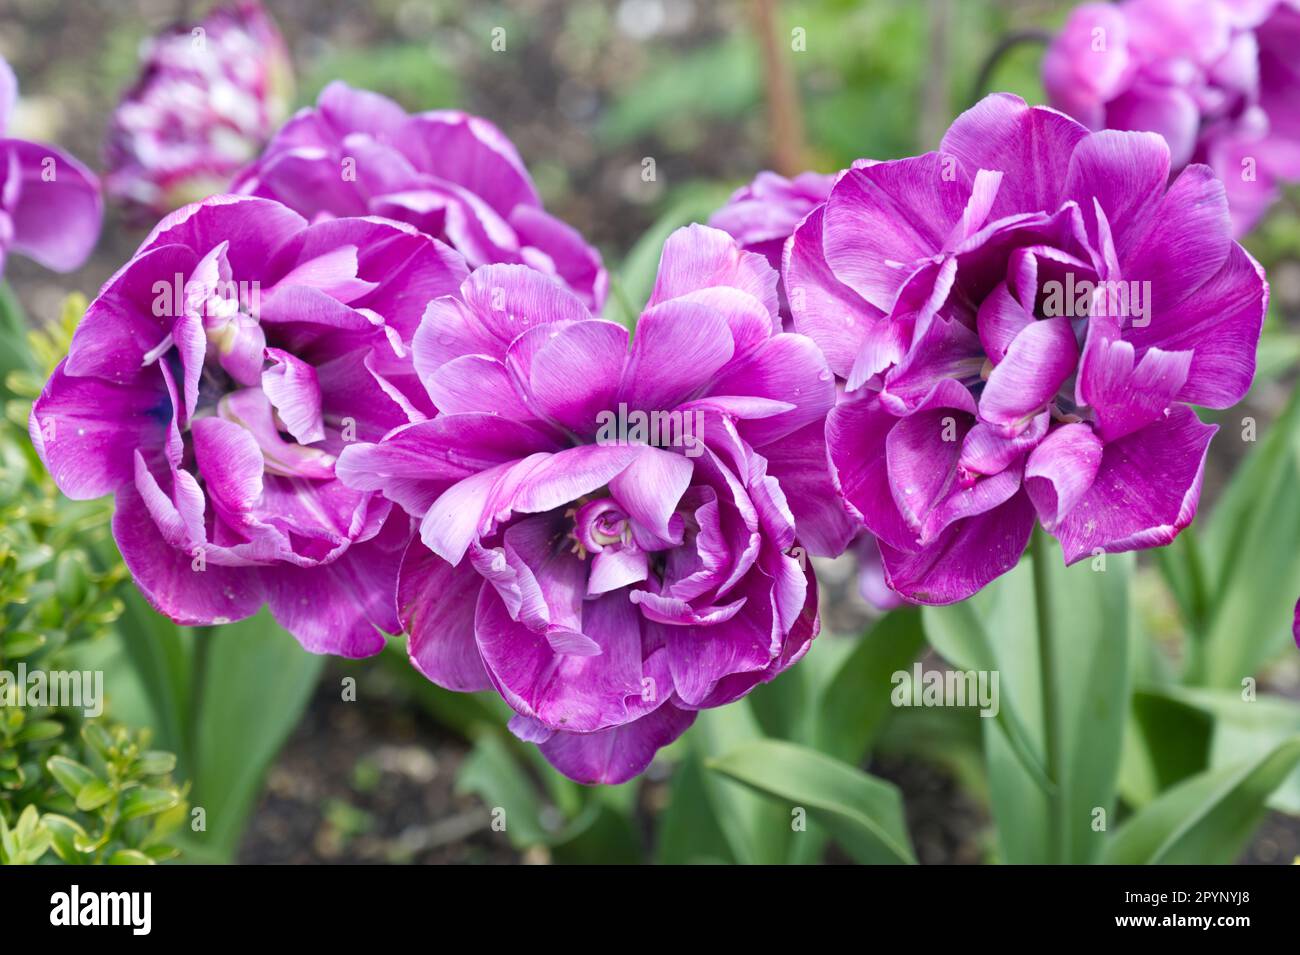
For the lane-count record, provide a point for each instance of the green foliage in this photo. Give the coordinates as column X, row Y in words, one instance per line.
column 251, row 683
column 863, row 813
column 718, row 79
column 99, row 797
column 413, row 74
column 855, row 702
column 75, row 788
column 1208, row 818
column 1058, row 638
column 1246, row 560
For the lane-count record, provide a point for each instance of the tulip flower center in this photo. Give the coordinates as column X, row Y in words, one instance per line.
column 598, row 524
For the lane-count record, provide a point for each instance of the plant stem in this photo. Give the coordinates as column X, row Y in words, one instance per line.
column 785, row 112
column 1194, row 669
column 1008, row 43
column 1048, row 687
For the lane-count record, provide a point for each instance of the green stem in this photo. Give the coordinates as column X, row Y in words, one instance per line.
column 1047, row 680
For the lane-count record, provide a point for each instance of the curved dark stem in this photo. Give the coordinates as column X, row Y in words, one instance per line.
column 1008, row 43
column 785, row 112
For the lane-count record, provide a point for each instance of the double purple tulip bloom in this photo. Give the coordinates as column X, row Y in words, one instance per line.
column 451, row 175
column 50, row 209
column 1219, row 79
column 1023, row 320
column 211, row 387
column 610, row 585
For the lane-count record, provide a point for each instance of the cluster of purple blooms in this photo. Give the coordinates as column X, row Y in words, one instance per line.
column 370, row 389
column 1219, row 79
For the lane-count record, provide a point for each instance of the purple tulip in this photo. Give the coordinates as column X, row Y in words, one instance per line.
column 1218, row 79
column 50, row 208
column 763, row 214
column 209, row 96
column 612, row 536
column 1023, row 319
column 452, row 175
column 210, row 388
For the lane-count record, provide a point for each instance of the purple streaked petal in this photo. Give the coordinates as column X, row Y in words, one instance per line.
column 425, row 458
column 575, row 376
column 1038, row 362
column 576, row 263
column 539, row 580
column 674, row 612
column 1030, row 145
column 1126, row 173
column 678, row 346
column 476, row 383
column 291, row 385
column 1001, row 318
column 787, row 368
column 856, row 432
column 1145, row 491
column 86, row 430
column 255, row 229
column 1124, row 393
column 985, row 451
column 230, row 462
column 1059, row 472
column 883, row 220
column 922, row 451
column 340, row 607
column 945, row 350
column 966, row 557
column 171, row 579
column 799, row 462
column 131, row 316
column 616, row 567
column 436, row 604
column 573, row 692
column 700, row 657
column 347, row 109
column 471, row 152
column 650, row 489
column 58, row 211
column 251, row 410
column 824, row 309
column 528, row 729
column 498, row 304
column 1220, row 322
column 696, row 257
column 1188, row 239
column 615, row 755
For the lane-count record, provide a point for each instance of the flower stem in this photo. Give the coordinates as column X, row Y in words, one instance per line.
column 785, row 112
column 1047, row 681
column 1008, row 43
